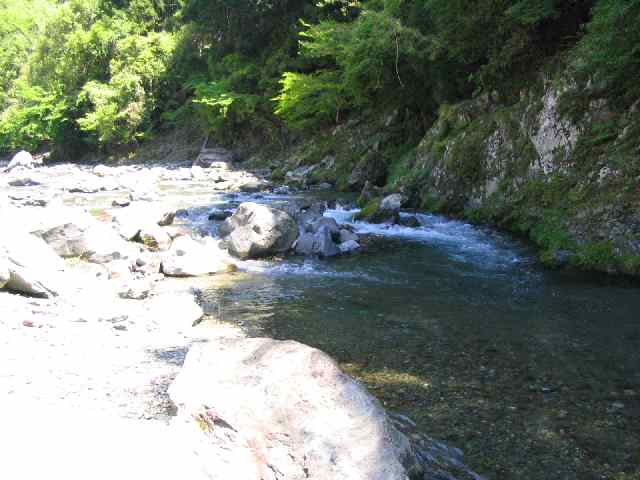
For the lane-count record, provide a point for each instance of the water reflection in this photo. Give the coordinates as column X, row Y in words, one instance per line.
column 460, row 328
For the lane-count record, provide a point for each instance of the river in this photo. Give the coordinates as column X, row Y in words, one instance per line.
column 534, row 373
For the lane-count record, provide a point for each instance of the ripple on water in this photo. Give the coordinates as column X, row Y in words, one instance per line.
column 463, row 243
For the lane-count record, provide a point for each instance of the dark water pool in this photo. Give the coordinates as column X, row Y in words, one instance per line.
column 535, row 374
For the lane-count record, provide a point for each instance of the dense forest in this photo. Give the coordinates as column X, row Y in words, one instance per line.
column 433, row 85
column 87, row 74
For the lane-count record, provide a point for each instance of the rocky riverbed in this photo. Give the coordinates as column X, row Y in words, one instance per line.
column 102, row 268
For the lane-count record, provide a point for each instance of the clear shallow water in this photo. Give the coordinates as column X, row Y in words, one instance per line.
column 534, row 373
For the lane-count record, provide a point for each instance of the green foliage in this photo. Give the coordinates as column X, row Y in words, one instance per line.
column 596, row 256
column 242, row 26
column 357, row 63
column 307, row 99
column 370, row 210
column 117, row 69
column 219, row 109
column 35, row 116
column 610, row 50
column 120, row 109
column 19, row 27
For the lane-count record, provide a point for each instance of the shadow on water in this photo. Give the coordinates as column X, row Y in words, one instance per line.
column 534, row 374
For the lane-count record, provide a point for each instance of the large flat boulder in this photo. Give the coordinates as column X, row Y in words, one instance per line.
column 257, row 231
column 266, row 409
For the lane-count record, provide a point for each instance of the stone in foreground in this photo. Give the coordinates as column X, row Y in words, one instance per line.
column 263, row 409
column 280, row 410
column 258, row 231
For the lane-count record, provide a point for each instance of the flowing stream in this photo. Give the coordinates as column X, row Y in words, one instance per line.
column 533, row 373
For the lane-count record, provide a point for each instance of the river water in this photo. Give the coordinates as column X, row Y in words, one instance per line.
column 534, row 373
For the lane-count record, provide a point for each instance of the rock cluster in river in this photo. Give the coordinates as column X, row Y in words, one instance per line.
column 257, row 231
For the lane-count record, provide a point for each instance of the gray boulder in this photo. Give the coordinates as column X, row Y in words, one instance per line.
column 319, row 243
column 348, row 236
column 67, row 240
column 329, row 223
column 385, row 210
column 349, row 246
column 391, row 203
column 23, row 182
column 306, row 212
column 257, row 231
column 281, row 410
column 212, row 157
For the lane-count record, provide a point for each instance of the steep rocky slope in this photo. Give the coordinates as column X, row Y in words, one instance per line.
column 560, row 164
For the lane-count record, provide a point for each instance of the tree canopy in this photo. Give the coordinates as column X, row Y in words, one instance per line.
column 87, row 74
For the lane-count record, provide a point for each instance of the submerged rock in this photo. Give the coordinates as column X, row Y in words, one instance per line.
column 349, row 246
column 410, row 221
column 257, row 231
column 219, row 215
column 283, row 410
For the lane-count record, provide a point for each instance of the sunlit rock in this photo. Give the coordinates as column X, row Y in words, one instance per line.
column 283, row 410
column 33, row 267
column 155, row 237
column 190, row 258
column 256, row 231
column 23, row 159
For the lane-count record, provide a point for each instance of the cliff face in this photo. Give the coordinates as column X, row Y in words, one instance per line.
column 560, row 166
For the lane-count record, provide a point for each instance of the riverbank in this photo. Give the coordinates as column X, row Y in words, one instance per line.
column 99, row 337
